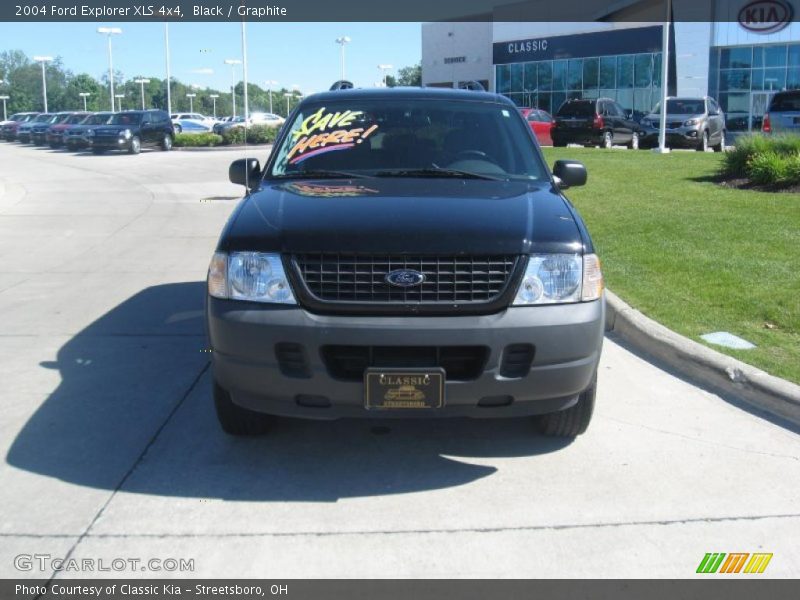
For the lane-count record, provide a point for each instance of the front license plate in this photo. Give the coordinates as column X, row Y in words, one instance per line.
column 391, row 389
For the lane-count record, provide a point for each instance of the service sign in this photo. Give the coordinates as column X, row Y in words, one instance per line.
column 766, row 16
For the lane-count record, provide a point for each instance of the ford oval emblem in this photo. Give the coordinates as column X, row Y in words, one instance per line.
column 405, row 278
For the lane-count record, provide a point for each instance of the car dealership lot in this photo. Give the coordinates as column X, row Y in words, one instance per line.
column 112, row 449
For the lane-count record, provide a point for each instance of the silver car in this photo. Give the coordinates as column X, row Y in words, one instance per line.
column 691, row 123
column 783, row 115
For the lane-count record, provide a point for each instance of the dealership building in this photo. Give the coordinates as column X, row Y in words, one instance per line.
column 738, row 51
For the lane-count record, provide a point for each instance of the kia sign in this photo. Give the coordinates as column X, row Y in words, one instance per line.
column 766, row 16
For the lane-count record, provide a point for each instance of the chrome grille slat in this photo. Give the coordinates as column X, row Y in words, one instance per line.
column 448, row 279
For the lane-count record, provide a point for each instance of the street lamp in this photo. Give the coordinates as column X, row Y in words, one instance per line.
column 119, row 97
column 108, row 32
column 288, row 95
column 84, row 95
column 269, row 83
column 191, row 98
column 233, row 62
column 141, row 83
column 384, row 69
column 342, row 41
column 166, row 60
column 5, row 115
column 214, row 98
column 244, row 70
column 43, row 60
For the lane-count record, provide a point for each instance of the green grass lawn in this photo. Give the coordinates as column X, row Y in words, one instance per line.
column 693, row 255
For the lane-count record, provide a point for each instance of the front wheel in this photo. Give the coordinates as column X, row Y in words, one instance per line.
column 634, row 143
column 136, row 146
column 720, row 147
column 572, row 421
column 236, row 420
column 608, row 140
column 166, row 143
column 703, row 145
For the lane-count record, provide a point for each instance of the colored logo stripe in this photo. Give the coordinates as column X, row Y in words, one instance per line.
column 734, row 562
column 758, row 563
column 711, row 562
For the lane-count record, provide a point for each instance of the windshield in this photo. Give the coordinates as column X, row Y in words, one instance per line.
column 75, row 119
column 42, row 118
column 688, row 106
column 126, row 119
column 98, row 119
column 409, row 137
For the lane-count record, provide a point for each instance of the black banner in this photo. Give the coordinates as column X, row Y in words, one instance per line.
column 391, row 10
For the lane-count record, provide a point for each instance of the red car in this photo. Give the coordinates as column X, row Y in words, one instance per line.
column 55, row 134
column 540, row 122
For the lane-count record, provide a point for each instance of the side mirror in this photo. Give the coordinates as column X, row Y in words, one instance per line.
column 570, row 173
column 245, row 171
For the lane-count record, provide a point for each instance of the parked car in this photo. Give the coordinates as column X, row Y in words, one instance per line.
column 179, row 121
column 594, row 122
column 541, row 122
column 132, row 130
column 39, row 130
column 405, row 252
column 783, row 114
column 55, row 134
column 222, row 127
column 184, row 126
column 8, row 131
column 264, row 118
column 75, row 136
column 24, row 130
column 692, row 122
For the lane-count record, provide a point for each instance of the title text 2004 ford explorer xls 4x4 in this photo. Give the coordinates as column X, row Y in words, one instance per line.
column 405, row 253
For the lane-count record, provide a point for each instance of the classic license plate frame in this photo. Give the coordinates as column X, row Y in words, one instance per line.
column 404, row 389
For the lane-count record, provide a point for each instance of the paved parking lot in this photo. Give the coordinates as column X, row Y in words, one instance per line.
column 112, row 450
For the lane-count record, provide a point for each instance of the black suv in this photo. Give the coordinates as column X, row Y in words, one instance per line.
column 595, row 122
column 405, row 253
column 132, row 130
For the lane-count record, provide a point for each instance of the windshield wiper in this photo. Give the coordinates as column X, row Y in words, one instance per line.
column 436, row 171
column 321, row 174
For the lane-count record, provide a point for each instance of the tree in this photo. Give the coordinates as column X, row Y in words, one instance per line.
column 410, row 76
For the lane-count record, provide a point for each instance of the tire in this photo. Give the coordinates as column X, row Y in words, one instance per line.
column 608, row 140
column 634, row 143
column 166, row 143
column 572, row 421
column 236, row 420
column 720, row 147
column 178, row 129
column 703, row 145
column 559, row 144
column 136, row 145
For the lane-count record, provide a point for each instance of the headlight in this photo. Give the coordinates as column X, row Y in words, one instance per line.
column 126, row 134
column 690, row 122
column 89, row 133
column 560, row 278
column 252, row 276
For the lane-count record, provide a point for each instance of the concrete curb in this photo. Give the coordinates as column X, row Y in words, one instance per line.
column 700, row 363
column 241, row 147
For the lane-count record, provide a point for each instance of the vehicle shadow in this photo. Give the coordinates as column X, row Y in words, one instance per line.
column 133, row 411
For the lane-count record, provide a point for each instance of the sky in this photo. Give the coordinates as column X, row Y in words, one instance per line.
column 302, row 54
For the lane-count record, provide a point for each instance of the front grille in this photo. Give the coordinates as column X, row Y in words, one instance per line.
column 362, row 278
column 460, row 363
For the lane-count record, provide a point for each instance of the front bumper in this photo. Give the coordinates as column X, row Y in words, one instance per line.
column 682, row 137
column 567, row 341
column 110, row 143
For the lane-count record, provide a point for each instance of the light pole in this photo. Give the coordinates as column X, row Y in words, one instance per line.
column 342, row 41
column 5, row 114
column 662, row 125
column 288, row 95
column 269, row 83
column 84, row 95
column 233, row 62
column 244, row 71
column 384, row 69
column 214, row 98
column 191, row 98
column 43, row 60
column 166, row 58
column 119, row 97
column 141, row 83
column 108, row 32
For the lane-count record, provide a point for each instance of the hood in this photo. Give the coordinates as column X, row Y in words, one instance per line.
column 674, row 117
column 404, row 215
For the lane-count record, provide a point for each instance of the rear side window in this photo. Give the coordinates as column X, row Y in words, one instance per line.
column 576, row 109
column 785, row 102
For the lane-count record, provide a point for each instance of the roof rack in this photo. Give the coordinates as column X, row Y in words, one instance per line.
column 475, row 86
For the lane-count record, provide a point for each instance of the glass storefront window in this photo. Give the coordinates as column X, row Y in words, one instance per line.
column 774, row 79
column 625, row 71
column 608, row 72
column 559, row 75
column 575, row 74
column 530, row 80
column 643, row 70
column 736, row 58
column 590, row 74
column 735, row 79
column 545, row 74
column 516, row 77
column 775, row 56
column 502, row 79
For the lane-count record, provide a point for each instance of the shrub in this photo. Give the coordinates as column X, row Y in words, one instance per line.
column 764, row 160
column 234, row 135
column 197, row 139
column 255, row 134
